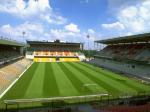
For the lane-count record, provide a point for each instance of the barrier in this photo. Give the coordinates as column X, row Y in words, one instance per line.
column 102, row 100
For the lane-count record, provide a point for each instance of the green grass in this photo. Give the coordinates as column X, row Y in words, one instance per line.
column 46, row 80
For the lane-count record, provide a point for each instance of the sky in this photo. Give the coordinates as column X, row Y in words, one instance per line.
column 73, row 20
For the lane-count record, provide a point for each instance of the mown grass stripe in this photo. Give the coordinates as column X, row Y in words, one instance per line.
column 118, row 85
column 110, row 89
column 65, row 86
column 36, row 83
column 19, row 89
column 50, row 87
column 74, row 80
column 86, row 81
column 132, row 83
column 128, row 82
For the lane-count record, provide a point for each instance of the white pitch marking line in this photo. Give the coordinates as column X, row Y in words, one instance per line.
column 14, row 81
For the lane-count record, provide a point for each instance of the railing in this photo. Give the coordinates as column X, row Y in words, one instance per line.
column 6, row 60
column 54, row 102
column 42, row 100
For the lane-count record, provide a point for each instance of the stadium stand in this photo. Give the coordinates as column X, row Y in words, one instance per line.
column 129, row 55
column 55, row 54
column 10, row 72
column 44, row 51
column 139, row 52
column 12, row 62
column 10, row 50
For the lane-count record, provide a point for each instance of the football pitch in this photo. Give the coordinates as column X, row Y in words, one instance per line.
column 63, row 79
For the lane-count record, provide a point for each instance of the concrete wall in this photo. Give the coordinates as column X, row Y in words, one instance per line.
column 21, row 50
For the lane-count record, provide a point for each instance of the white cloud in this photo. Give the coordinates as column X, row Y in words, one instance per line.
column 73, row 35
column 33, row 31
column 65, row 35
column 129, row 12
column 134, row 18
column 59, row 33
column 72, row 28
column 91, row 31
column 37, row 12
column 129, row 33
column 116, row 25
column 36, row 31
column 54, row 19
column 70, row 32
column 24, row 9
column 39, row 9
